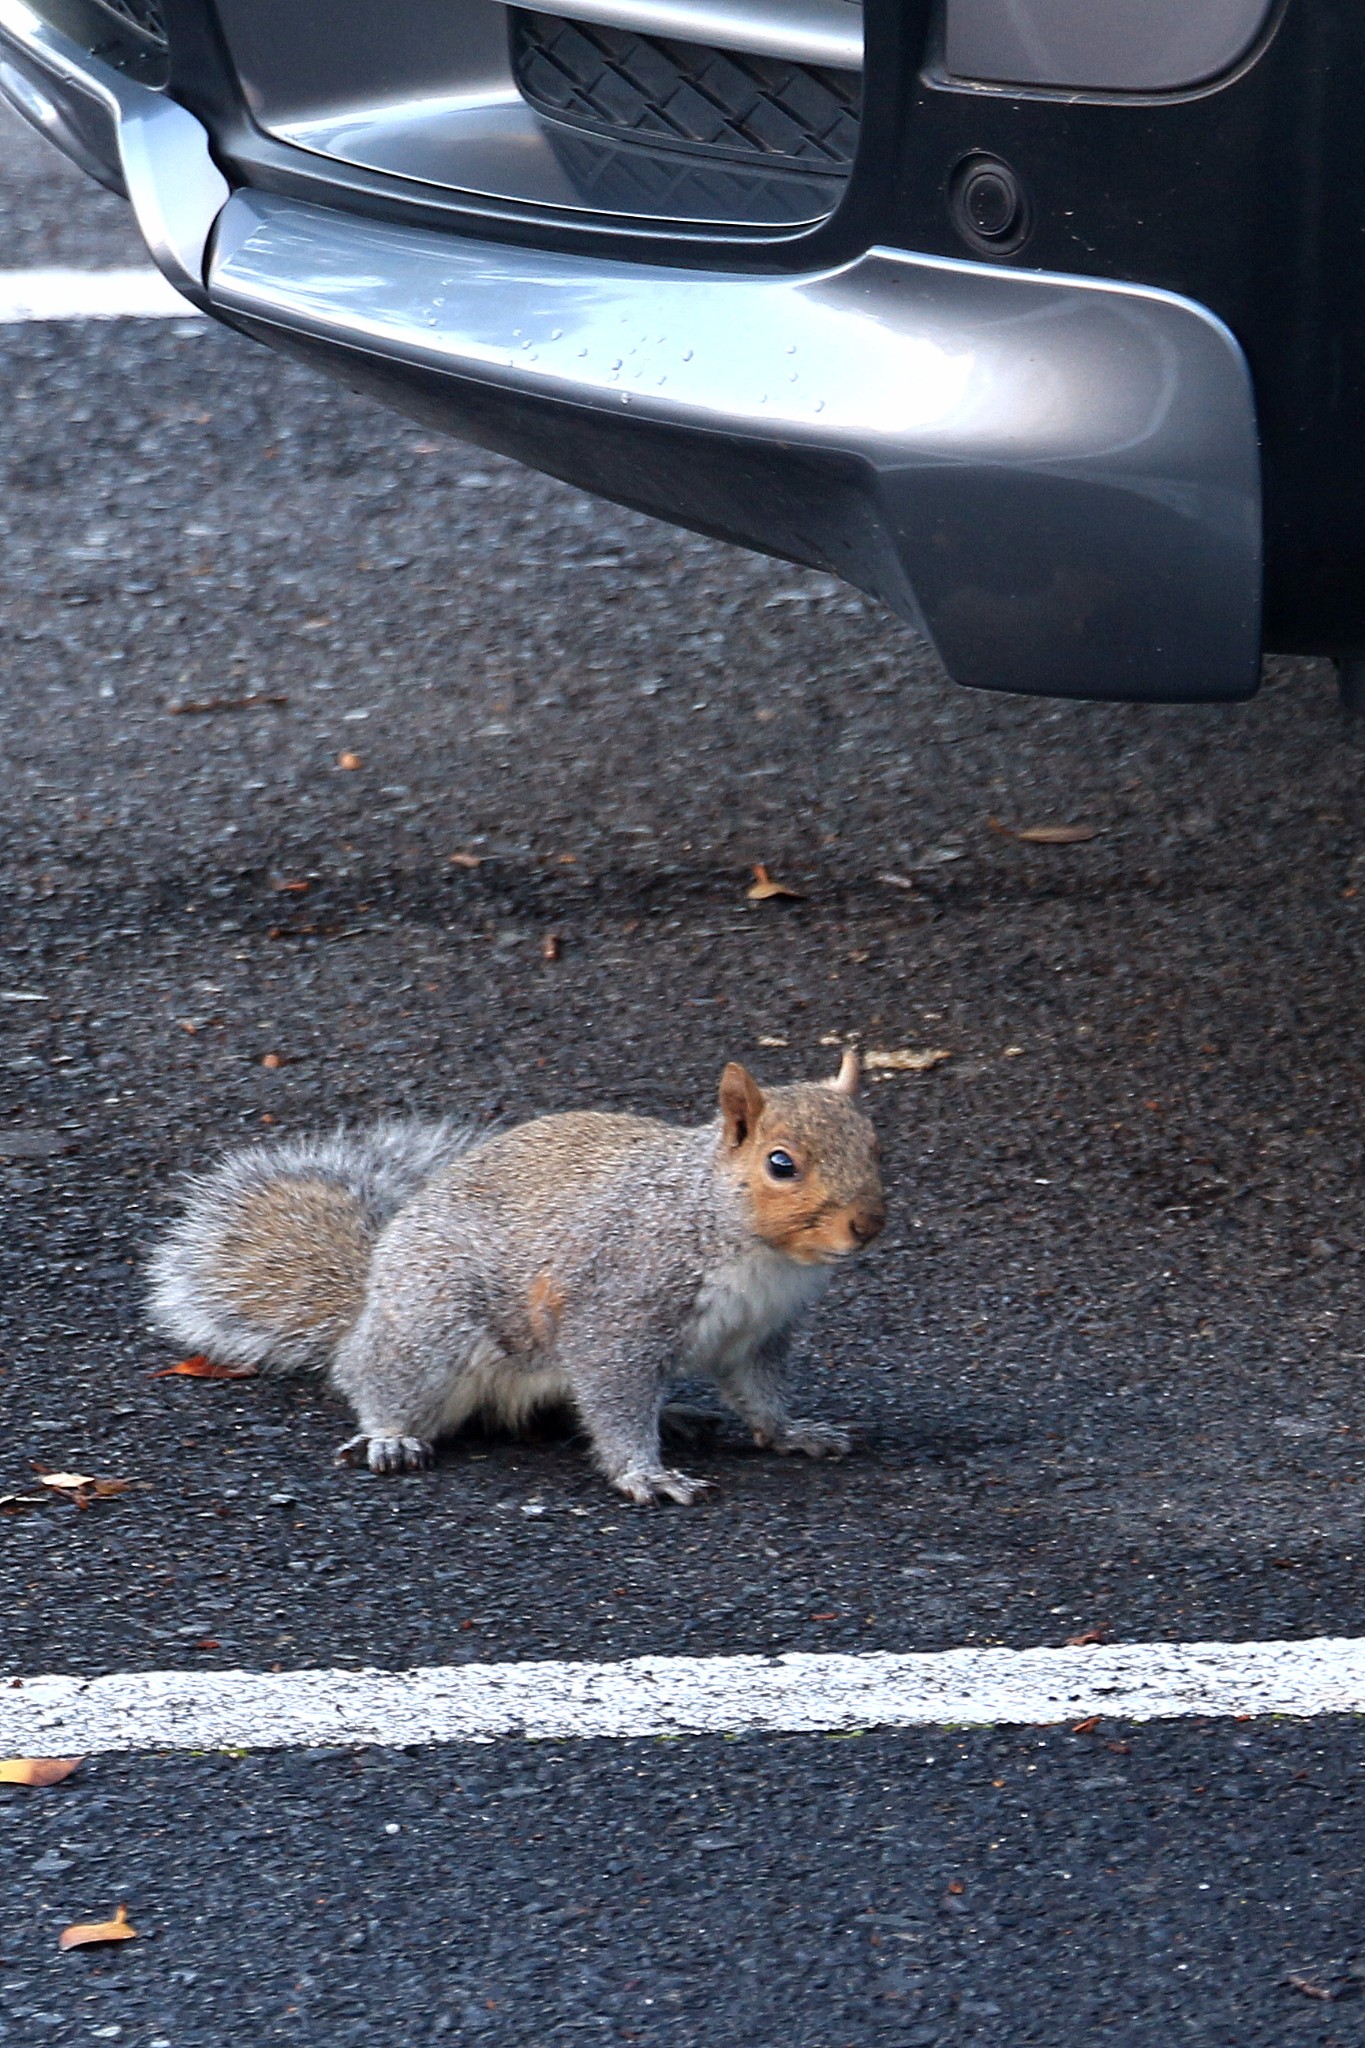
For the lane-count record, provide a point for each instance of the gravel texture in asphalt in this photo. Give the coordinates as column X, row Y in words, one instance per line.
column 1104, row 1364
column 1132, row 1886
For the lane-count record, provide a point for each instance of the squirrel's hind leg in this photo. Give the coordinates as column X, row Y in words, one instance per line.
column 409, row 1382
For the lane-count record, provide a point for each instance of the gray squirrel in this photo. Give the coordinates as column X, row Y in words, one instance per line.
column 439, row 1273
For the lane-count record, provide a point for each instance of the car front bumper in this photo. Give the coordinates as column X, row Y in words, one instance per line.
column 1056, row 478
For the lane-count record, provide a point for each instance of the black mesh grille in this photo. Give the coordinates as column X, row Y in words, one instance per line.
column 687, row 95
column 143, row 15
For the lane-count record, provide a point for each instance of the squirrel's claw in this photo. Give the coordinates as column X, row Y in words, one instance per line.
column 387, row 1453
column 647, row 1487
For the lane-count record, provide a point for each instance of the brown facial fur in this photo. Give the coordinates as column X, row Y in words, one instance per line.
column 836, row 1203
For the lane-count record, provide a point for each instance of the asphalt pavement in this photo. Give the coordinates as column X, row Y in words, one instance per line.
column 1104, row 1366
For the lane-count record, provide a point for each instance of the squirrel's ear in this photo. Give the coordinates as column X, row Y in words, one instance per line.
column 849, row 1075
column 741, row 1103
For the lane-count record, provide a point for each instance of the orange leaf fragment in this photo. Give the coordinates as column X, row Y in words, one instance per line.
column 466, row 860
column 1047, row 835
column 201, row 1367
column 763, row 887
column 1086, row 1636
column 348, row 760
column 37, row 1770
column 84, row 1932
column 549, row 946
column 1087, row 1726
column 273, row 1061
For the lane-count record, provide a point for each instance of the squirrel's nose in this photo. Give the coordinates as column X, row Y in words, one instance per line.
column 865, row 1224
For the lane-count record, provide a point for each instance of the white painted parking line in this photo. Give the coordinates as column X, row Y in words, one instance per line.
column 141, row 294
column 793, row 1694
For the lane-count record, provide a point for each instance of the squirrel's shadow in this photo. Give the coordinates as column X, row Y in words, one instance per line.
column 683, row 1426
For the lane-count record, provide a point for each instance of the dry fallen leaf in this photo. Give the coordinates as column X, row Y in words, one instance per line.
column 904, row 1060
column 37, row 1770
column 1086, row 1636
column 763, row 887
column 549, row 946
column 1310, row 1990
column 202, row 1367
column 87, row 1931
column 466, row 860
column 1087, row 1726
column 272, row 1060
column 291, row 888
column 772, row 1042
column 348, row 760
column 79, row 1487
column 896, row 881
column 1047, row 835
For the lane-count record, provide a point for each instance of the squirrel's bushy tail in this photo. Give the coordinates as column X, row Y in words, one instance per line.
column 267, row 1266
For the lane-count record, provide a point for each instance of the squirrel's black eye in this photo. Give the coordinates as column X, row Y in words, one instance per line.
column 781, row 1166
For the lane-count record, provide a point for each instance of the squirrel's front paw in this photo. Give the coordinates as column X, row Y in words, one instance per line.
column 646, row 1487
column 812, row 1439
column 387, row 1453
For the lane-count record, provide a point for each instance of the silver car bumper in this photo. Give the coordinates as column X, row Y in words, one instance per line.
column 1057, row 479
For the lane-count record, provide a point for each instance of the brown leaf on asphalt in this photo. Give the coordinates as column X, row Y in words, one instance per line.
column 348, row 760
column 80, row 1487
column 37, row 1770
column 201, row 1367
column 283, row 888
column 466, row 860
column 1086, row 1636
column 1087, row 1726
column 207, row 704
column 1046, row 835
column 272, row 1060
column 120, row 1928
column 549, row 946
column 905, row 1060
column 763, row 887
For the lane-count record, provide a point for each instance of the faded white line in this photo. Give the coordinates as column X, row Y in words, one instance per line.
column 141, row 294
column 792, row 1694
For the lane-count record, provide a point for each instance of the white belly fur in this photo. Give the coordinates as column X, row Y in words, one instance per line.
column 494, row 1386
column 745, row 1302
